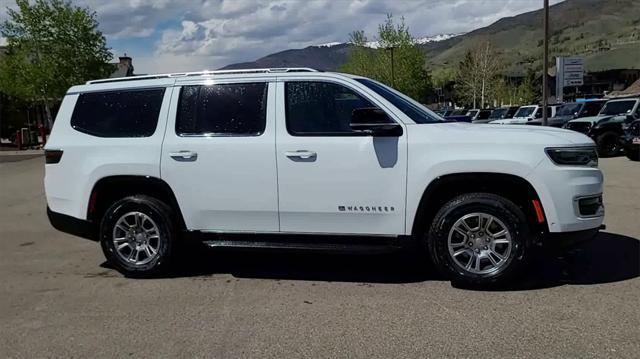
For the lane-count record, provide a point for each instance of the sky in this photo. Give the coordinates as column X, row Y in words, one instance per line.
column 192, row 35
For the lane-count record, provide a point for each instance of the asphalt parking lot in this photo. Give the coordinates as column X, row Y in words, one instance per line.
column 59, row 299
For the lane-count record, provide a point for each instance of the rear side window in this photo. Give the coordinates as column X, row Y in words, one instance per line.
column 123, row 113
column 225, row 110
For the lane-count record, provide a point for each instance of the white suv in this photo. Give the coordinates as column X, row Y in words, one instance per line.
column 526, row 114
column 298, row 158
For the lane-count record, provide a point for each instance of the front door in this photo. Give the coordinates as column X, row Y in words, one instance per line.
column 331, row 179
column 218, row 155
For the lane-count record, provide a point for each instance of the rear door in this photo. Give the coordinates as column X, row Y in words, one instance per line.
column 218, row 154
column 330, row 179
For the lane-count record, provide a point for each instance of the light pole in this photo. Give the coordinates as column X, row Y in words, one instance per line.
column 393, row 80
column 545, row 65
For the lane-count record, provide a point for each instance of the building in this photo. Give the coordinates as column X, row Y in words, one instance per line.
column 123, row 68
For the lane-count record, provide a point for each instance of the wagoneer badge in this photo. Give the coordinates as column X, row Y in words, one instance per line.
column 380, row 209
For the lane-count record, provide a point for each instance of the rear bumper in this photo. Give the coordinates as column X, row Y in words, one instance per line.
column 74, row 226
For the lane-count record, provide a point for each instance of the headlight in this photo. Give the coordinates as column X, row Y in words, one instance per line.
column 573, row 156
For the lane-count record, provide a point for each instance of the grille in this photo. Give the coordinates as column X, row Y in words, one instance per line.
column 579, row 126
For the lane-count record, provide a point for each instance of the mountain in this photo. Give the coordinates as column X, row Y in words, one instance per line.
column 605, row 33
column 324, row 57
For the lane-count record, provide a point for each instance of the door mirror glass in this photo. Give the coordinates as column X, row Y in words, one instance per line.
column 374, row 121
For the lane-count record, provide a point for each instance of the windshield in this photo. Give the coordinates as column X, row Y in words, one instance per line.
column 524, row 112
column 498, row 113
column 415, row 111
column 617, row 107
column 568, row 109
column 472, row 113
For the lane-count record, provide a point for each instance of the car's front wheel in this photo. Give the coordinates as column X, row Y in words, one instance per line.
column 137, row 235
column 479, row 239
column 608, row 144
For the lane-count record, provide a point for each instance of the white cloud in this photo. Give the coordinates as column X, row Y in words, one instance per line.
column 214, row 33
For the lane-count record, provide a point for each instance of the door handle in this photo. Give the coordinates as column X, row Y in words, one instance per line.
column 304, row 154
column 184, row 155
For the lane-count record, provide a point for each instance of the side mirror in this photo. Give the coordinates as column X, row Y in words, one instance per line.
column 372, row 121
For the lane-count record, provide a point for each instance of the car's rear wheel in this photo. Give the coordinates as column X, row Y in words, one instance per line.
column 608, row 144
column 137, row 236
column 479, row 239
column 633, row 153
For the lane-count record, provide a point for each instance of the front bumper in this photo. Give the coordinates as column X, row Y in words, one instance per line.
column 561, row 188
column 566, row 240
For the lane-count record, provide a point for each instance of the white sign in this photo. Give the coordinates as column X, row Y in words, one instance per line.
column 572, row 71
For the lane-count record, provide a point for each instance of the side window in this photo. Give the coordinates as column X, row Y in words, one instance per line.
column 538, row 113
column 225, row 109
column 591, row 108
column 123, row 113
column 320, row 108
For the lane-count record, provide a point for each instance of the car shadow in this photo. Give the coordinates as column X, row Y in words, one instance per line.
column 607, row 258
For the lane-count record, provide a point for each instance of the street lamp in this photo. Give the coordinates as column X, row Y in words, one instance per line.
column 393, row 80
column 545, row 64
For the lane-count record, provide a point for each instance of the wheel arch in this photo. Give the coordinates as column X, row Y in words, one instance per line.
column 445, row 187
column 109, row 189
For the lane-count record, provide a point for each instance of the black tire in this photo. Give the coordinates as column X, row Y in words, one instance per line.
column 633, row 153
column 161, row 215
column 608, row 144
column 499, row 207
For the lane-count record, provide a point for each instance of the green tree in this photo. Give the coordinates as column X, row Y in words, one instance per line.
column 396, row 60
column 527, row 92
column 52, row 45
column 478, row 75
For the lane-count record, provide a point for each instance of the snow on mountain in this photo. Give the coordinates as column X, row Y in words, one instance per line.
column 421, row 40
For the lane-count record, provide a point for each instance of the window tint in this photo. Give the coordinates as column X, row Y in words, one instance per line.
column 418, row 113
column 592, row 108
column 320, row 108
column 225, row 109
column 125, row 113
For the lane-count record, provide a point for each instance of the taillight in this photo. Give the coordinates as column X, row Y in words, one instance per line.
column 52, row 156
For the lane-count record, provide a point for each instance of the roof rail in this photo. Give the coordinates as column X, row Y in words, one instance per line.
column 202, row 73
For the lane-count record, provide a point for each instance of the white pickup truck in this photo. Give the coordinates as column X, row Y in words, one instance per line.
column 296, row 158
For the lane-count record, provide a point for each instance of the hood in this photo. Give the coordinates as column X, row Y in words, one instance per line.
column 500, row 134
column 592, row 119
column 555, row 120
column 510, row 120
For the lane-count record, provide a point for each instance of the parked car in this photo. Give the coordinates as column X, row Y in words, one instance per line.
column 458, row 116
column 444, row 113
column 606, row 128
column 295, row 158
column 570, row 111
column 500, row 113
column 631, row 140
column 526, row 114
column 477, row 115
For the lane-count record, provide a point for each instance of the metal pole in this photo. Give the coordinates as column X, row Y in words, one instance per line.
column 545, row 64
column 393, row 78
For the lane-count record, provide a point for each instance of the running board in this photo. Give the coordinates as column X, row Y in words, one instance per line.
column 323, row 243
column 322, row 247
